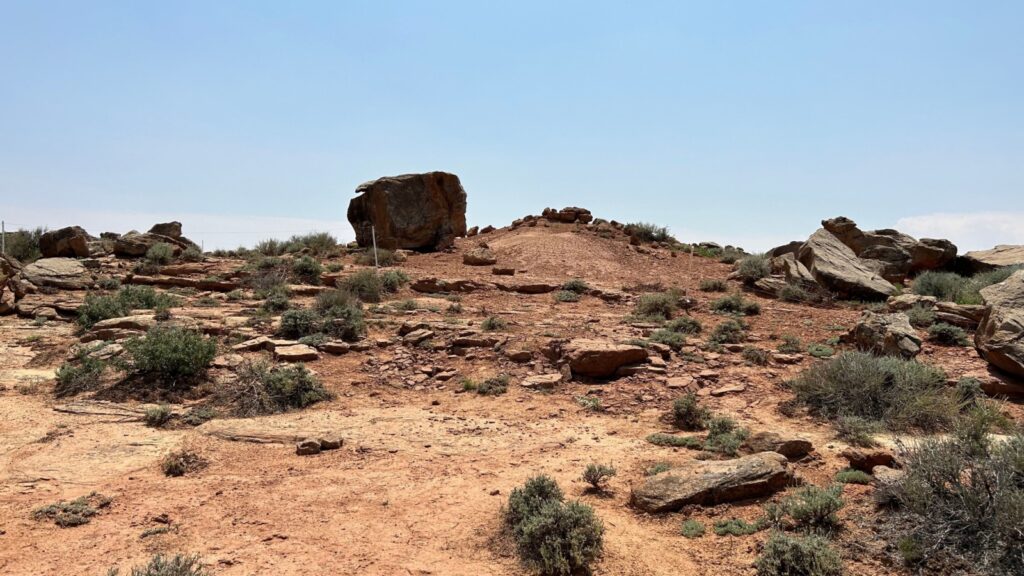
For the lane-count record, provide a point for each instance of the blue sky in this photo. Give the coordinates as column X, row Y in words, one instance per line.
column 740, row 122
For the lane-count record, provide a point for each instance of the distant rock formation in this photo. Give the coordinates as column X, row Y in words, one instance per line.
column 1000, row 335
column 423, row 212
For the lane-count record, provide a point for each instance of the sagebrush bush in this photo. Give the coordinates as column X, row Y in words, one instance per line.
column 728, row 332
column 80, row 375
column 365, row 285
column 170, row 356
column 157, row 416
column 901, row 394
column 277, row 300
column 785, row 555
column 947, row 335
column 811, row 508
column 177, row 565
column 392, row 281
column 557, row 538
column 857, row 431
column 597, row 474
column 684, row 325
column 673, row 340
column 736, row 527
column 790, row 345
column 946, row 286
column 713, row 285
column 575, row 285
column 688, row 414
column 160, row 254
column 493, row 386
column 692, row 528
column 658, row 306
column 724, row 436
column 270, row 247
column 191, row 254
column 318, row 243
column 307, row 270
column 756, row 356
column 566, row 296
column 493, row 324
column 384, row 257
column 23, row 245
column 181, row 462
column 300, row 322
column 263, row 388
column 794, row 293
column 736, row 304
column 753, row 267
column 99, row 307
column 268, row 281
column 67, row 514
column 851, row 476
column 646, row 232
column 673, row 441
column 820, row 350
column 921, row 316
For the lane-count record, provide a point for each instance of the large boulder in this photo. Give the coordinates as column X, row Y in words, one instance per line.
column 600, row 359
column 836, row 267
column 885, row 335
column 480, row 256
column 133, row 244
column 72, row 241
column 66, row 273
column 412, row 211
column 168, row 229
column 1000, row 335
column 889, row 252
column 710, row 482
column 985, row 260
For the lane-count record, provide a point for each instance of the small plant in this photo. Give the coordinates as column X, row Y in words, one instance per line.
column 198, row 415
column 160, row 254
column 335, row 267
column 392, row 281
column 673, row 340
column 728, row 332
column 170, row 355
column 736, row 527
column 307, row 270
column 597, row 474
column 575, row 285
column 365, row 285
column 177, row 565
column 266, row 389
column 684, row 325
column 921, row 316
column 735, row 304
column 857, row 431
column 103, row 307
column 692, row 528
column 756, row 356
column 947, row 335
column 207, row 302
column 795, row 293
column 494, row 386
column 493, row 324
column 752, row 268
column 235, row 295
column 820, row 350
column 73, row 513
column 384, row 257
column 182, row 462
column 713, row 285
column 851, row 476
column 79, row 376
column 724, row 436
column 658, row 468
column 590, row 403
column 192, row 254
column 798, row 556
column 646, row 232
column 277, row 300
column 673, row 441
column 108, row 283
column 790, row 345
column 566, row 296
column 298, row 323
column 157, row 416
column 688, row 414
column 656, row 307
column 814, row 509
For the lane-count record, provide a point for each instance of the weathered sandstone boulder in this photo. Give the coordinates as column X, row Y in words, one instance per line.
column 480, row 256
column 67, row 242
column 789, row 446
column 836, row 267
column 885, row 335
column 600, row 359
column 66, row 273
column 711, row 482
column 1000, row 335
column 412, row 211
column 1002, row 255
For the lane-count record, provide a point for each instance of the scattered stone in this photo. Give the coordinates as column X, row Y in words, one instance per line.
column 519, row 355
column 729, row 389
column 503, row 271
column 296, row 353
column 962, row 315
column 864, row 459
column 790, row 447
column 542, row 381
column 711, row 482
column 781, row 358
column 307, row 447
column 886, row 476
column 330, row 443
column 885, row 334
column 599, row 359
column 417, row 336
column 904, row 302
column 335, row 347
column 412, row 211
column 254, row 345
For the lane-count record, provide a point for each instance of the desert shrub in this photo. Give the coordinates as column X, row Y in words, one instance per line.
column 785, row 555
column 684, row 325
column 79, row 376
column 692, row 528
column 921, row 316
column 730, row 255
column 160, row 254
column 756, row 356
column 300, row 322
column 901, row 394
column 812, row 509
column 345, row 322
column 713, row 285
column 392, row 281
column 597, row 474
column 207, row 302
column 673, row 441
column 266, row 389
column 735, row 304
column 658, row 468
column 384, row 257
column 277, row 300
column 688, row 414
column 566, row 296
column 753, row 267
column 575, row 285
column 851, row 476
column 319, row 243
column 177, row 565
column 198, row 415
column 946, row 286
column 963, row 496
column 307, row 270
column 555, row 537
column 947, row 335
column 270, row 247
column 969, row 391
column 157, row 416
column 494, row 386
column 820, row 351
column 170, row 355
column 99, row 307
column 235, row 295
column 406, row 305
column 493, row 324
column 646, row 232
column 971, row 292
column 23, row 245
column 795, row 293
column 590, row 403
column 268, row 263
column 728, row 332
column 735, row 527
column 365, row 285
column 857, row 431
column 790, row 345
column 181, row 462
column 334, row 299
column 192, row 254
column 265, row 282
column 67, row 514
column 108, row 283
column 657, row 306
column 673, row 340
column 335, row 267
column 724, row 436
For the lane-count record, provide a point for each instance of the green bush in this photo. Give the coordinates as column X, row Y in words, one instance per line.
column 736, row 527
column 265, row 282
column 277, row 300
column 300, row 322
column 921, row 316
column 901, row 394
column 494, row 386
column 820, row 351
column 851, row 476
column 673, row 441
column 79, row 376
column 673, row 340
column 192, row 254
column 177, row 565
column 684, row 325
column 756, row 356
column 365, row 285
column 728, row 332
column 108, row 283
column 590, row 403
column 266, row 389
column 493, row 324
column 345, row 322
column 692, row 528
column 795, row 293
column 753, row 267
column 857, row 431
column 555, row 537
column 170, row 355
column 656, row 307
column 597, row 474
column 270, row 247
column 384, row 257
column 23, row 245
column 99, row 307
column 157, row 416
column 319, row 243
column 946, row 286
column 575, row 285
column 67, row 514
column 566, row 296
column 688, row 414
column 307, row 270
column 735, row 304
column 798, row 556
column 160, row 254
column 790, row 345
column 713, row 285
column 646, row 232
column 947, row 335
column 813, row 509
column 392, row 281
column 658, row 468
column 724, row 436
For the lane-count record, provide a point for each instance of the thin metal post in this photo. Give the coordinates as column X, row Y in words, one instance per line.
column 373, row 232
column 3, row 238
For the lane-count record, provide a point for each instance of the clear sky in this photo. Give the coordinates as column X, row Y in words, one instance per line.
column 740, row 122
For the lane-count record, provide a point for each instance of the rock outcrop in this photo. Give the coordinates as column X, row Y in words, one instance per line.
column 133, row 244
column 66, row 273
column 836, row 267
column 985, row 260
column 568, row 215
column 885, row 335
column 1000, row 335
column 713, row 482
column 413, row 211
column 600, row 359
column 72, row 242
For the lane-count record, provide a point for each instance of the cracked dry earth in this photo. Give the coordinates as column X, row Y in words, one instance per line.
column 425, row 469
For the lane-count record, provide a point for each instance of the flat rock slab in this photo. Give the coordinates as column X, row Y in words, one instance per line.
column 66, row 273
column 600, row 359
column 296, row 353
column 713, row 482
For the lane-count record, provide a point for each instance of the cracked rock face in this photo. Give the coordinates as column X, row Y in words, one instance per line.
column 1000, row 335
column 423, row 212
column 885, row 334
